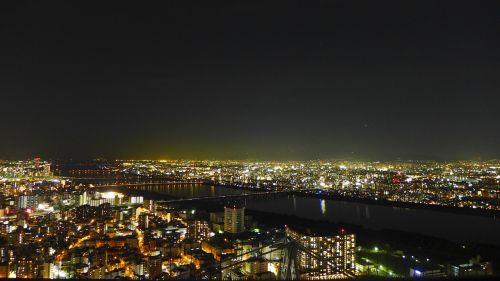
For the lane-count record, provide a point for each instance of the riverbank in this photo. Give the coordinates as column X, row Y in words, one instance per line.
column 411, row 244
column 419, row 244
column 370, row 201
column 407, row 205
column 379, row 201
column 343, row 211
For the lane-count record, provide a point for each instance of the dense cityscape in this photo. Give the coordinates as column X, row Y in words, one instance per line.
column 57, row 222
column 457, row 184
column 250, row 140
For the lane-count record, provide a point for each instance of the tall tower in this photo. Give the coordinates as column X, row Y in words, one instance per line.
column 234, row 219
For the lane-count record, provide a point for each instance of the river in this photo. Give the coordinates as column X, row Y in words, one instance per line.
column 452, row 226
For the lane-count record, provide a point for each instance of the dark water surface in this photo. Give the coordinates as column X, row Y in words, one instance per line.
column 452, row 226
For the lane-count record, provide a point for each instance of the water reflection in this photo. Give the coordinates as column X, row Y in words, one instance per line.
column 440, row 224
column 457, row 227
column 188, row 190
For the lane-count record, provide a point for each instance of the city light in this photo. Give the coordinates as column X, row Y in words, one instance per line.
column 81, row 223
column 250, row 140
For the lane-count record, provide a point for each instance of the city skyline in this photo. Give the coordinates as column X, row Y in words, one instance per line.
column 250, row 140
column 221, row 220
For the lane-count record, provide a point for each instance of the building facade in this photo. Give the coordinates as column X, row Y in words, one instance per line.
column 319, row 257
column 197, row 230
column 234, row 219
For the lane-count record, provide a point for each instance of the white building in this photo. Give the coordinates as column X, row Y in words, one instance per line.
column 234, row 219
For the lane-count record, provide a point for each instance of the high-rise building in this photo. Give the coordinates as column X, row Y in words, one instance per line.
column 197, row 230
column 136, row 200
column 138, row 266
column 234, row 219
column 144, row 221
column 27, row 268
column 321, row 256
column 46, row 170
column 28, row 201
column 82, row 199
column 48, row 270
column 150, row 205
column 154, row 266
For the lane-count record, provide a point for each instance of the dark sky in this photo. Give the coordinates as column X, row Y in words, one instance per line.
column 269, row 80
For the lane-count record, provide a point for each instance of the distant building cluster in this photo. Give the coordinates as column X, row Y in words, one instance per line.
column 56, row 227
column 466, row 184
column 35, row 168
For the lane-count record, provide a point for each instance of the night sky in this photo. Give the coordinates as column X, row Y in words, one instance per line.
column 243, row 80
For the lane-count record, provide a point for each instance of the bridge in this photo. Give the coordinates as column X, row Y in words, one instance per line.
column 148, row 184
column 227, row 197
column 156, row 187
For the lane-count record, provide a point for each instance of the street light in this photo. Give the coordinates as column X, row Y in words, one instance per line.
column 376, row 251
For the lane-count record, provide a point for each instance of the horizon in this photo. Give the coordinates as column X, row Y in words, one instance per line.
column 251, row 160
column 127, row 128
